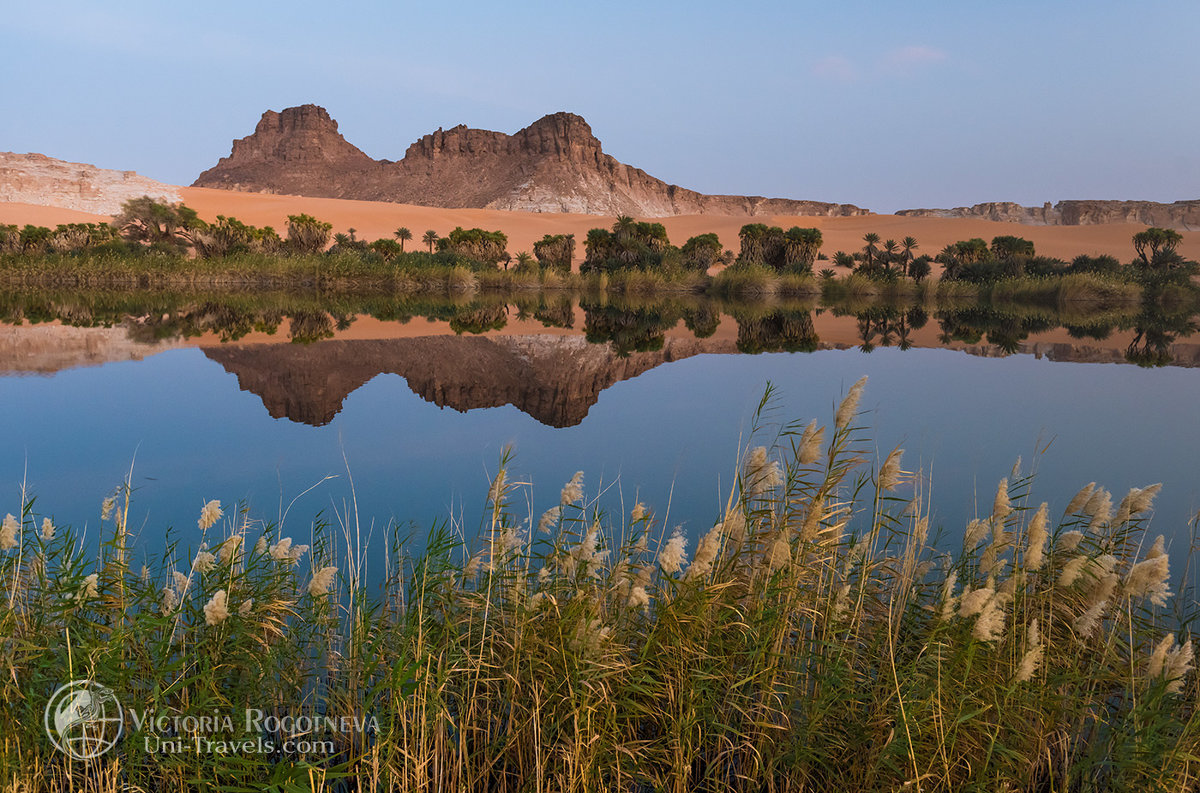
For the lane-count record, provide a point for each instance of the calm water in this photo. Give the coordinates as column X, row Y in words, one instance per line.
column 404, row 410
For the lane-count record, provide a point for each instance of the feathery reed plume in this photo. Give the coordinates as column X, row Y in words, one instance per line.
column 637, row 513
column 810, row 443
column 1071, row 570
column 760, row 474
column 322, row 581
column 1099, row 506
column 284, row 551
column 848, row 409
column 673, row 557
column 841, row 604
column 210, row 513
column 1001, row 506
column 586, row 556
column 179, row 582
column 216, row 610
column 1080, row 499
column 170, row 600
column 779, row 555
column 1033, row 656
column 106, row 508
column 1085, row 624
column 889, row 472
column 989, row 626
column 1144, row 501
column 639, row 595
column 1150, row 578
column 473, row 565
column 1178, row 664
column 1158, row 658
column 976, row 531
column 549, row 520
column 706, row 554
column 1069, row 541
column 246, row 607
column 573, row 490
column 1035, row 548
column 204, row 561
column 973, row 601
column 260, row 547
column 228, row 550
column 590, row 637
column 47, row 529
column 496, row 491
column 949, row 599
column 8, row 533
column 921, row 531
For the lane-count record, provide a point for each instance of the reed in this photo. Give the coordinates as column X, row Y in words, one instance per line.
column 819, row 636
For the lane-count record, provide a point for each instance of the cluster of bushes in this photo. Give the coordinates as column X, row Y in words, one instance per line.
column 634, row 245
column 1157, row 263
column 794, row 250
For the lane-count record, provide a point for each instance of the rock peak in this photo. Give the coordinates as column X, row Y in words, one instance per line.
column 556, row 164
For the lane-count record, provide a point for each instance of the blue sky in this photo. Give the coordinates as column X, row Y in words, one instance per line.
column 884, row 105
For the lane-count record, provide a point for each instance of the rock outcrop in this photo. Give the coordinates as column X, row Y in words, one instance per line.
column 44, row 181
column 555, row 164
column 1183, row 215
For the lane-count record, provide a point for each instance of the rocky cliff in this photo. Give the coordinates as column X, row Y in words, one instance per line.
column 1183, row 215
column 44, row 181
column 555, row 164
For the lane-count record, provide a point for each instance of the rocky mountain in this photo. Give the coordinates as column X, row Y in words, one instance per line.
column 1183, row 215
column 44, row 181
column 555, row 164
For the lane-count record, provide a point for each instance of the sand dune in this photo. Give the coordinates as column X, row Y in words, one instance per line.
column 373, row 219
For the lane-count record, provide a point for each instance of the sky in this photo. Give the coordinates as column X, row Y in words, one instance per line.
column 884, row 105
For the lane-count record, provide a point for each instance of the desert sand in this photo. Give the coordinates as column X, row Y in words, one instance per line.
column 373, row 219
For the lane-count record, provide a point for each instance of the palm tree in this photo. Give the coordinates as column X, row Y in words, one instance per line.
column 890, row 249
column 430, row 239
column 402, row 234
column 907, row 246
column 623, row 228
column 869, row 250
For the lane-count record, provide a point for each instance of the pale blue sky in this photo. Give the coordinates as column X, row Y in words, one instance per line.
column 884, row 105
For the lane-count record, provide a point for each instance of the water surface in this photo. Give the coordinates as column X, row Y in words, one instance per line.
column 402, row 414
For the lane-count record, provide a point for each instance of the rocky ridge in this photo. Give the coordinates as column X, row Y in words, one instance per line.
column 44, row 181
column 555, row 164
column 1182, row 215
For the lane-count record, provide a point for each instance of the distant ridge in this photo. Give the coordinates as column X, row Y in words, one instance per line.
column 1183, row 215
column 555, row 164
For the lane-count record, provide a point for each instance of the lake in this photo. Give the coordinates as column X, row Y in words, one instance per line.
column 398, row 410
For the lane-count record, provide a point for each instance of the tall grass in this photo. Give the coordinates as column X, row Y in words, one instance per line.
column 816, row 638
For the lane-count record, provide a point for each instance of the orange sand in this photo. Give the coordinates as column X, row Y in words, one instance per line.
column 374, row 219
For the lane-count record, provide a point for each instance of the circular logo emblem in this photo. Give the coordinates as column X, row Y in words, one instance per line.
column 83, row 719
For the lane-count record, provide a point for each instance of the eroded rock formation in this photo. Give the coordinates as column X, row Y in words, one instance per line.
column 555, row 164
column 44, row 181
column 1183, row 215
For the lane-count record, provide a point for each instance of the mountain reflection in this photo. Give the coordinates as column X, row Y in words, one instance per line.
column 549, row 354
